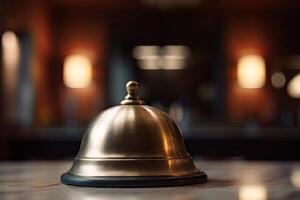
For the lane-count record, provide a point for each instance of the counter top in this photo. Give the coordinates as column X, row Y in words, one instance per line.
column 243, row 180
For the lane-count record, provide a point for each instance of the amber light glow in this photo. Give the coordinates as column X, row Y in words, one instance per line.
column 77, row 71
column 251, row 71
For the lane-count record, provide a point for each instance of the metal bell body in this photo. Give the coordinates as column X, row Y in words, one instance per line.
column 133, row 145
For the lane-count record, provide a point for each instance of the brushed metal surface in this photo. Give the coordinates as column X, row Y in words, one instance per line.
column 132, row 131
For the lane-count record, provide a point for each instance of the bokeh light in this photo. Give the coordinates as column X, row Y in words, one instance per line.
column 11, row 49
column 278, row 80
column 293, row 87
column 251, row 71
column 170, row 57
column 77, row 71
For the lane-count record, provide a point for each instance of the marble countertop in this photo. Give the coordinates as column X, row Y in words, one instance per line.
column 241, row 180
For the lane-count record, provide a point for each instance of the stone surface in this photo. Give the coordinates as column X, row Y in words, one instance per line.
column 242, row 180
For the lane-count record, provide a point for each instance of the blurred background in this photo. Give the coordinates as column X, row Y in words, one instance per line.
column 227, row 71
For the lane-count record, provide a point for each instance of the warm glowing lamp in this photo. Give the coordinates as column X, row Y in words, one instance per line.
column 77, row 71
column 293, row 87
column 251, row 71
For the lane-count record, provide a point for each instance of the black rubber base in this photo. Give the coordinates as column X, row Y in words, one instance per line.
column 128, row 182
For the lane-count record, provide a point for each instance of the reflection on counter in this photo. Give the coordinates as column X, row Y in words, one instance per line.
column 253, row 192
column 295, row 177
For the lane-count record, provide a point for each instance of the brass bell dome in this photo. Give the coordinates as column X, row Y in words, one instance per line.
column 132, row 145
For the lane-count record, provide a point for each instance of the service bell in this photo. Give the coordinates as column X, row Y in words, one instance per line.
column 133, row 145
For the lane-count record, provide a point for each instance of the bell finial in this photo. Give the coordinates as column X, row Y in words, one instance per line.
column 132, row 98
column 132, row 87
